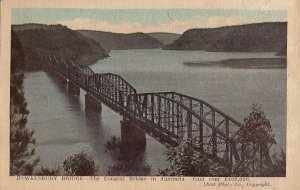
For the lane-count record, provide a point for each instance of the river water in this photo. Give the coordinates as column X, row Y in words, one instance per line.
column 62, row 127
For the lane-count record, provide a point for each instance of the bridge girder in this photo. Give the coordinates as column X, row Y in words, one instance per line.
column 170, row 117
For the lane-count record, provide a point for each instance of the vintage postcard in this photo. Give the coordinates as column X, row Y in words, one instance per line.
column 142, row 95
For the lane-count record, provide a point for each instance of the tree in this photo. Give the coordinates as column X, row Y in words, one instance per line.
column 45, row 171
column 80, row 165
column 188, row 159
column 256, row 139
column 22, row 139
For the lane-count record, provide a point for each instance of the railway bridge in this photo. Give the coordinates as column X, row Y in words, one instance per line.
column 169, row 117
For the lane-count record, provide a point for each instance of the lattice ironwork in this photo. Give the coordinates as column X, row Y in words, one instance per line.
column 170, row 117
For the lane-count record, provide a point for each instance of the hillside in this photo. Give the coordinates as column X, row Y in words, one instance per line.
column 16, row 54
column 165, row 38
column 38, row 40
column 262, row 37
column 120, row 41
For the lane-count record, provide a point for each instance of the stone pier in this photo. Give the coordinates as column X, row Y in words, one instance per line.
column 133, row 137
column 92, row 104
column 73, row 88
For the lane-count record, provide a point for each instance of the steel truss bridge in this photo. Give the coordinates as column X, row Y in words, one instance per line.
column 169, row 117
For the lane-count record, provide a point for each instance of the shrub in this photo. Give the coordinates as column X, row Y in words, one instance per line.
column 80, row 165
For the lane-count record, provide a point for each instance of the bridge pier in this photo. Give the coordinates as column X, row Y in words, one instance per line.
column 92, row 104
column 133, row 138
column 73, row 88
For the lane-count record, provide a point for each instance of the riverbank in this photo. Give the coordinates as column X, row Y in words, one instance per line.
column 248, row 63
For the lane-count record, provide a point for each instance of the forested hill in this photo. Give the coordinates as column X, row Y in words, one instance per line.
column 119, row 41
column 164, row 37
column 37, row 40
column 261, row 37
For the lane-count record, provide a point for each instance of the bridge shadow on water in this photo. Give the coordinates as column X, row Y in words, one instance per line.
column 128, row 162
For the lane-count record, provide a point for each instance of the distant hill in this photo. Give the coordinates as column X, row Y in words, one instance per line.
column 119, row 41
column 262, row 37
column 164, row 37
column 38, row 40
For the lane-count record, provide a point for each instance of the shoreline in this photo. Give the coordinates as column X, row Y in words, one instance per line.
column 247, row 63
column 36, row 66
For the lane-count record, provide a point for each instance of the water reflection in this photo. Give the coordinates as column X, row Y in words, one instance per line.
column 72, row 129
column 126, row 160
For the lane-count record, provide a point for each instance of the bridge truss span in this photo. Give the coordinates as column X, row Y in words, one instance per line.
column 176, row 122
column 169, row 117
column 209, row 113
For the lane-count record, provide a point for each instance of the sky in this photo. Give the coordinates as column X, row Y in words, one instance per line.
column 144, row 20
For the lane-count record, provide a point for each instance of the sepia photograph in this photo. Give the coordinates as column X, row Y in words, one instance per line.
column 148, row 94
